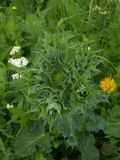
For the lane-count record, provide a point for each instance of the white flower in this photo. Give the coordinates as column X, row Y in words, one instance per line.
column 10, row 60
column 16, row 76
column 18, row 62
column 9, row 106
column 24, row 61
column 14, row 50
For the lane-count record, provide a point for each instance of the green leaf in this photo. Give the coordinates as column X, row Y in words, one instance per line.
column 35, row 136
column 45, row 143
column 65, row 126
column 54, row 106
column 112, row 117
column 98, row 124
column 87, row 148
column 2, row 146
column 113, row 130
column 3, row 79
column 39, row 156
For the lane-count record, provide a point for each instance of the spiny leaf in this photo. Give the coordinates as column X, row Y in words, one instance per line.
column 35, row 136
column 87, row 148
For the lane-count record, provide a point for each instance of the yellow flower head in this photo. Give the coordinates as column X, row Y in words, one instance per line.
column 108, row 85
column 14, row 8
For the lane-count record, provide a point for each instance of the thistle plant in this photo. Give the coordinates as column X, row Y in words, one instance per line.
column 61, row 93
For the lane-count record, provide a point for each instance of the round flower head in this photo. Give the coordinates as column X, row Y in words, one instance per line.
column 108, row 85
column 18, row 62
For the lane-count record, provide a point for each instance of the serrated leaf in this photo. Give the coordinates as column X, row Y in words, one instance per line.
column 65, row 127
column 39, row 156
column 35, row 136
column 25, row 145
column 55, row 106
column 45, row 143
column 113, row 130
column 87, row 148
column 98, row 124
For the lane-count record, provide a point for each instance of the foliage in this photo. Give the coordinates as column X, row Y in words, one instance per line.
column 55, row 109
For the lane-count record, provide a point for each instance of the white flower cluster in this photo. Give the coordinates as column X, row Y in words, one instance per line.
column 9, row 106
column 18, row 62
column 16, row 76
column 100, row 10
column 14, row 50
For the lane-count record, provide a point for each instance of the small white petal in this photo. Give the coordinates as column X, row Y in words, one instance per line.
column 24, row 61
column 16, row 76
column 10, row 60
column 14, row 50
column 9, row 106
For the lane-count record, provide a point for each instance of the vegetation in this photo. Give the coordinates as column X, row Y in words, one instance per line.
column 59, row 80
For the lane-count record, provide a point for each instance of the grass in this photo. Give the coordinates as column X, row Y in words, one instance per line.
column 55, row 108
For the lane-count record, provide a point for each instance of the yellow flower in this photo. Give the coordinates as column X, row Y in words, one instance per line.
column 14, row 8
column 108, row 85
